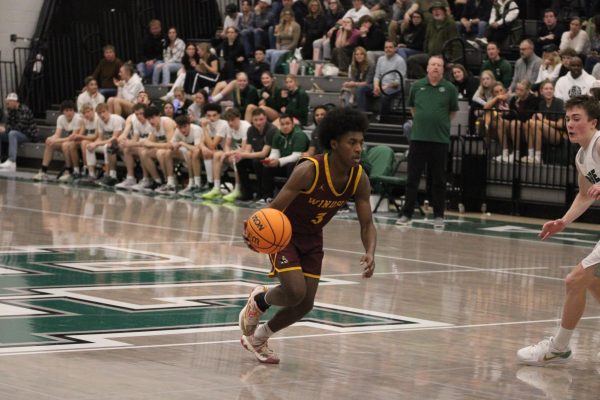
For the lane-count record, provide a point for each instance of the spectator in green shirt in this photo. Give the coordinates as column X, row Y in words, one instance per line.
column 501, row 68
column 295, row 100
column 433, row 102
column 286, row 148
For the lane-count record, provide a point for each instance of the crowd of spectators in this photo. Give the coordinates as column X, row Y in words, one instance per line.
column 378, row 45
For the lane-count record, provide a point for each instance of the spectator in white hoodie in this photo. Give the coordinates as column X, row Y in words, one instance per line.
column 129, row 87
column 576, row 83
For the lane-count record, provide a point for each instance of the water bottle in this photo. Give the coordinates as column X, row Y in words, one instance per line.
column 303, row 70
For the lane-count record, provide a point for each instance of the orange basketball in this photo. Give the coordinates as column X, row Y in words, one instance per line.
column 268, row 230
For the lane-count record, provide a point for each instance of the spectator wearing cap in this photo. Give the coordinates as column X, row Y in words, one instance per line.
column 441, row 29
column 575, row 83
column 424, row 7
column 550, row 32
column 528, row 66
column 19, row 128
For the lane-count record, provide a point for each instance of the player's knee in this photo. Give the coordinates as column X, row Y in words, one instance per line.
column 577, row 280
column 296, row 295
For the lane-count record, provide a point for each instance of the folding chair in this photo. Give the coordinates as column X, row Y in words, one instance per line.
column 383, row 174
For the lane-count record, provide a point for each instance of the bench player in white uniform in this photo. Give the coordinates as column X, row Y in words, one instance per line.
column 109, row 128
column 214, row 131
column 235, row 141
column 66, row 124
column 136, row 129
column 185, row 145
column 160, row 138
column 583, row 118
column 85, row 134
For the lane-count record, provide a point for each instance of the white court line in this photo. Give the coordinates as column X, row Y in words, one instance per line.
column 153, row 346
column 123, row 245
column 439, row 271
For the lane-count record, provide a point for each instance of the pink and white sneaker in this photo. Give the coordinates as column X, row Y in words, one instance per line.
column 250, row 314
column 261, row 351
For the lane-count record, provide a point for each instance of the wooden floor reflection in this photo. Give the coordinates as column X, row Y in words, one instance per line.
column 441, row 319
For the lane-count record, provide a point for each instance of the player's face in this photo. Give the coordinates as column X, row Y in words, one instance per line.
column 92, row 86
column 105, row 115
column 139, row 114
column 348, row 147
column 154, row 120
column 168, row 110
column 69, row 113
column 89, row 115
column 184, row 129
column 212, row 116
column 579, row 124
column 234, row 124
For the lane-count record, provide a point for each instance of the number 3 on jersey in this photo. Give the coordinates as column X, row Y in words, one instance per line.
column 318, row 218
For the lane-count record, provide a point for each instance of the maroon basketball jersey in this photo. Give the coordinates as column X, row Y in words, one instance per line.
column 311, row 210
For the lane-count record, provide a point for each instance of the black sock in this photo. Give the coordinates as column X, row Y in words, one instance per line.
column 261, row 302
column 70, row 169
column 44, row 169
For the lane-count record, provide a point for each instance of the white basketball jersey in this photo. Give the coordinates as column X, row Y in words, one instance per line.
column 588, row 160
column 143, row 130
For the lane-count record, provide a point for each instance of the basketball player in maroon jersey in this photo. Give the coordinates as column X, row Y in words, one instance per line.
column 317, row 188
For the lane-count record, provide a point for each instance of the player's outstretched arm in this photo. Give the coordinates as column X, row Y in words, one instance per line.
column 368, row 234
column 581, row 203
column 302, row 178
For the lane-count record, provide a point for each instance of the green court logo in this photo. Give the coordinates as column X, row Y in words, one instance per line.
column 100, row 297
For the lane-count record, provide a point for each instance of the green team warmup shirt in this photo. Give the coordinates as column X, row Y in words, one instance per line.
column 433, row 105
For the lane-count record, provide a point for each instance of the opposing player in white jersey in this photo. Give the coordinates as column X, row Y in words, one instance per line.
column 235, row 141
column 160, row 137
column 582, row 119
column 66, row 124
column 136, row 129
column 185, row 145
column 214, row 132
column 109, row 128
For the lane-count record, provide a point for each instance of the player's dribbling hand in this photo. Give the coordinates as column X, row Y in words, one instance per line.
column 368, row 264
column 246, row 238
column 552, row 227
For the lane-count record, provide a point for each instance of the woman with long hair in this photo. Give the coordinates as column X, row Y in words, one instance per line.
column 172, row 55
column 522, row 106
column 287, row 34
column 269, row 98
column 322, row 46
column 547, row 125
column 203, row 73
column 345, row 39
column 295, row 100
column 550, row 67
column 360, row 73
column 482, row 95
column 465, row 83
column 496, row 110
column 412, row 36
column 314, row 28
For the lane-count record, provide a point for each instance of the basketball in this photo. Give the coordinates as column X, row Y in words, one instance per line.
column 268, row 231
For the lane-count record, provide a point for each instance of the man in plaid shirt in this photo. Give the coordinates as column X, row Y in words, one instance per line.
column 19, row 128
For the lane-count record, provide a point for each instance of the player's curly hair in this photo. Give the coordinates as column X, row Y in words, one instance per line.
column 338, row 122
